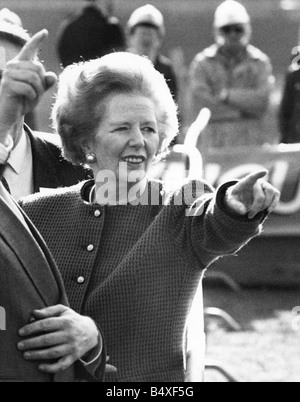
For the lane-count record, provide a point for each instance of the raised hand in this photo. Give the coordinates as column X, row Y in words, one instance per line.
column 60, row 334
column 253, row 195
column 23, row 83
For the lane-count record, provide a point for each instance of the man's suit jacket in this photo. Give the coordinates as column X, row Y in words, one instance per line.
column 50, row 169
column 29, row 280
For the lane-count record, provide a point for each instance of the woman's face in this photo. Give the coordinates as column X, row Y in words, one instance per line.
column 128, row 135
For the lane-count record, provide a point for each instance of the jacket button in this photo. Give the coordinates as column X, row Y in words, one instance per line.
column 97, row 213
column 80, row 280
column 90, row 248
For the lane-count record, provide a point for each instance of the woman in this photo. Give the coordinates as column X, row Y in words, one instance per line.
column 132, row 255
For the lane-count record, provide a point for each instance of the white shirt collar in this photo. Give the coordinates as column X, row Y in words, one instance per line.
column 19, row 154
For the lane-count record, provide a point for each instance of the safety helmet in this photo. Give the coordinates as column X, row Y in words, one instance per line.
column 231, row 12
column 149, row 15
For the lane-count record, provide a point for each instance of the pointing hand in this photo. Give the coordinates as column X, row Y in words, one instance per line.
column 253, row 195
column 24, row 82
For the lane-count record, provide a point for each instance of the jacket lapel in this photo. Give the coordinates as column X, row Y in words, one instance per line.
column 29, row 249
column 55, row 272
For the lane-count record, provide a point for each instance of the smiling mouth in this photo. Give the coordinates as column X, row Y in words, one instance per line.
column 135, row 160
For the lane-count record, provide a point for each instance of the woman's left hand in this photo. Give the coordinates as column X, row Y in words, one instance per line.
column 58, row 333
column 252, row 195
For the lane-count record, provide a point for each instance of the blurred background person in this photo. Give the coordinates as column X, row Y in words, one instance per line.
column 89, row 34
column 34, row 163
column 289, row 110
column 234, row 80
column 146, row 33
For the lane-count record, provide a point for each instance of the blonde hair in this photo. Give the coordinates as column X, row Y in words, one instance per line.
column 83, row 91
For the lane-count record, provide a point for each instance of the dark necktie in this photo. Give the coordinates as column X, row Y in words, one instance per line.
column 5, row 184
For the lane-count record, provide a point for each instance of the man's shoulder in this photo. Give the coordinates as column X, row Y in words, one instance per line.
column 206, row 56
column 42, row 141
column 164, row 60
column 48, row 148
column 258, row 55
column 164, row 66
column 208, row 53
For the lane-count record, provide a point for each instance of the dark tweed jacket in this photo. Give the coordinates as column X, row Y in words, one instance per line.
column 50, row 169
column 135, row 269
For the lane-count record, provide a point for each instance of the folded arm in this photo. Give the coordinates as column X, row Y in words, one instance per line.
column 202, row 95
column 236, row 102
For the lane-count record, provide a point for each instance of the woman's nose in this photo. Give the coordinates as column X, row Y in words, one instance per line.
column 136, row 138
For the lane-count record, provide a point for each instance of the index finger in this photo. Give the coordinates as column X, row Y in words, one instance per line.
column 31, row 48
column 254, row 177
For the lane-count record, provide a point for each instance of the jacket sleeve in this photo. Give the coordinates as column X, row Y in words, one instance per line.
column 209, row 229
column 94, row 372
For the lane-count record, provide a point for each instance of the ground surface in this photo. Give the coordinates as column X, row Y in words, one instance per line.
column 268, row 347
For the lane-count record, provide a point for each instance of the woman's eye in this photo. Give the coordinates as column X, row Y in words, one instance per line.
column 121, row 129
column 149, row 130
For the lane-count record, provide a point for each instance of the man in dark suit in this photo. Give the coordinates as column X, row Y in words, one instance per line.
column 50, row 168
column 35, row 163
column 43, row 338
column 89, row 35
column 29, row 280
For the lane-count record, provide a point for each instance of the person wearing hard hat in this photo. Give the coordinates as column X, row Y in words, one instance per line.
column 146, row 32
column 234, row 80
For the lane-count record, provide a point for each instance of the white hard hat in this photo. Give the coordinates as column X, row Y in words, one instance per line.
column 11, row 18
column 230, row 13
column 147, row 15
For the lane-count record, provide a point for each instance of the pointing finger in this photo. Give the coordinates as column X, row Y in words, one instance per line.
column 31, row 48
column 258, row 203
column 254, row 177
column 275, row 202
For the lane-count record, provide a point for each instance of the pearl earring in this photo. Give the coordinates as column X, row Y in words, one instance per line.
column 90, row 158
